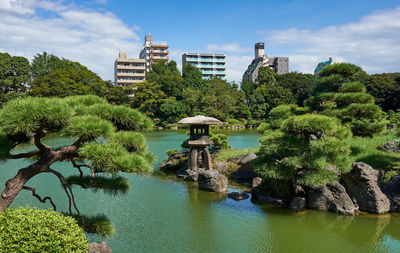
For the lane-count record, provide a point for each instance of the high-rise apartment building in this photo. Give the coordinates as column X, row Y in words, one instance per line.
column 153, row 51
column 280, row 65
column 129, row 71
column 210, row 65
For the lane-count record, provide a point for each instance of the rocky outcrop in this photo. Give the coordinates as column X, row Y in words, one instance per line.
column 298, row 204
column 331, row 197
column 391, row 146
column 95, row 247
column 392, row 191
column 176, row 161
column 221, row 167
column 188, row 175
column 238, row 195
column 247, row 158
column 256, row 182
column 211, row 180
column 362, row 185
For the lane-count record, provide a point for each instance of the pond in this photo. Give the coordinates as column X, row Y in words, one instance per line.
column 163, row 214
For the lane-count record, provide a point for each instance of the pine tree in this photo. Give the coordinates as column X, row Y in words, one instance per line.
column 104, row 143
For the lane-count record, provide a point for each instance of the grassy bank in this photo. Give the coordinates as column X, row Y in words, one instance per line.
column 225, row 154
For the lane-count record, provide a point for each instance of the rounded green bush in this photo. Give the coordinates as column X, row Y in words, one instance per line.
column 33, row 230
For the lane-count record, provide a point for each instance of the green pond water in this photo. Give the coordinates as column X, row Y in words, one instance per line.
column 163, row 214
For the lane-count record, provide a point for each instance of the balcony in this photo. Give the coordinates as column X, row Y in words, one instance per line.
column 155, row 51
column 156, row 58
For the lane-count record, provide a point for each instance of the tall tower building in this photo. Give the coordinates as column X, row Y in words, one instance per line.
column 128, row 71
column 153, row 51
column 210, row 65
column 279, row 65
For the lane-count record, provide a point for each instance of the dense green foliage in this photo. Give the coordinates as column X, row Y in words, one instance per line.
column 106, row 141
column 303, row 147
column 34, row 230
column 386, row 90
column 220, row 141
column 341, row 93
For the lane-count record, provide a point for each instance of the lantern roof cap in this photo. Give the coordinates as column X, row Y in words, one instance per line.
column 200, row 120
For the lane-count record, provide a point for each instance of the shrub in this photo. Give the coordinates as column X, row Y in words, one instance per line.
column 171, row 152
column 33, row 230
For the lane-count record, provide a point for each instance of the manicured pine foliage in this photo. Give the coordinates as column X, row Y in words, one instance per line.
column 105, row 143
column 302, row 148
column 340, row 92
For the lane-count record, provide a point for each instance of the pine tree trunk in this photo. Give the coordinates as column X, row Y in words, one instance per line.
column 15, row 184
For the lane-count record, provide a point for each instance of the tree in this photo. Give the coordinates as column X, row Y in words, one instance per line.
column 192, row 76
column 301, row 85
column 266, row 76
column 43, row 64
column 172, row 110
column 105, row 143
column 220, row 141
column 302, row 148
column 266, row 97
column 385, row 89
column 167, row 75
column 68, row 82
column 148, row 98
column 342, row 96
column 14, row 73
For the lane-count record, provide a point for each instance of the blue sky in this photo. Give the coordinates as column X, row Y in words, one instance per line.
column 366, row 32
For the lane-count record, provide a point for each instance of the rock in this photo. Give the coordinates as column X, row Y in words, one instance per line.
column 362, row 185
column 221, row 167
column 176, row 161
column 280, row 189
column 391, row 146
column 247, row 158
column 238, row 195
column 95, row 247
column 212, row 180
column 261, row 198
column 256, row 182
column 160, row 128
column 299, row 191
column 331, row 197
column 243, row 175
column 298, row 204
column 174, row 128
column 235, row 159
column 392, row 191
column 189, row 175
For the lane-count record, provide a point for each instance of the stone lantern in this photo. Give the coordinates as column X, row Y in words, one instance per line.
column 199, row 140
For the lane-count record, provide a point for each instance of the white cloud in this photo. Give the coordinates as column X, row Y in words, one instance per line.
column 236, row 66
column 373, row 43
column 90, row 37
column 233, row 47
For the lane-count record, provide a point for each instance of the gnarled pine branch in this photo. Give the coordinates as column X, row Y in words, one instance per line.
column 43, row 200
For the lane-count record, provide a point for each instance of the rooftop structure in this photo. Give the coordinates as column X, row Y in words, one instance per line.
column 321, row 65
column 280, row 65
column 199, row 140
column 128, row 71
column 210, row 65
column 153, row 51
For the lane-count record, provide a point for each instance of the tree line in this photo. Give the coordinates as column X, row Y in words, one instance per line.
column 168, row 94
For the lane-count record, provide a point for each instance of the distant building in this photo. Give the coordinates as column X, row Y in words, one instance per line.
column 280, row 65
column 210, row 65
column 128, row 71
column 321, row 65
column 153, row 51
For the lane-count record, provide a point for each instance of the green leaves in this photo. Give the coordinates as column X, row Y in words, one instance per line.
column 34, row 230
column 111, row 185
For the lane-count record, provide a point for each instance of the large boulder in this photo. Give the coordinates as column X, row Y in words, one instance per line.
column 95, row 247
column 212, row 180
column 298, row 204
column 189, row 175
column 332, row 197
column 247, row 158
column 362, row 185
column 391, row 146
column 392, row 191
column 176, row 161
column 221, row 167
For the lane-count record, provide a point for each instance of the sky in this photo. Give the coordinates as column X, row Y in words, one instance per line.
column 362, row 32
